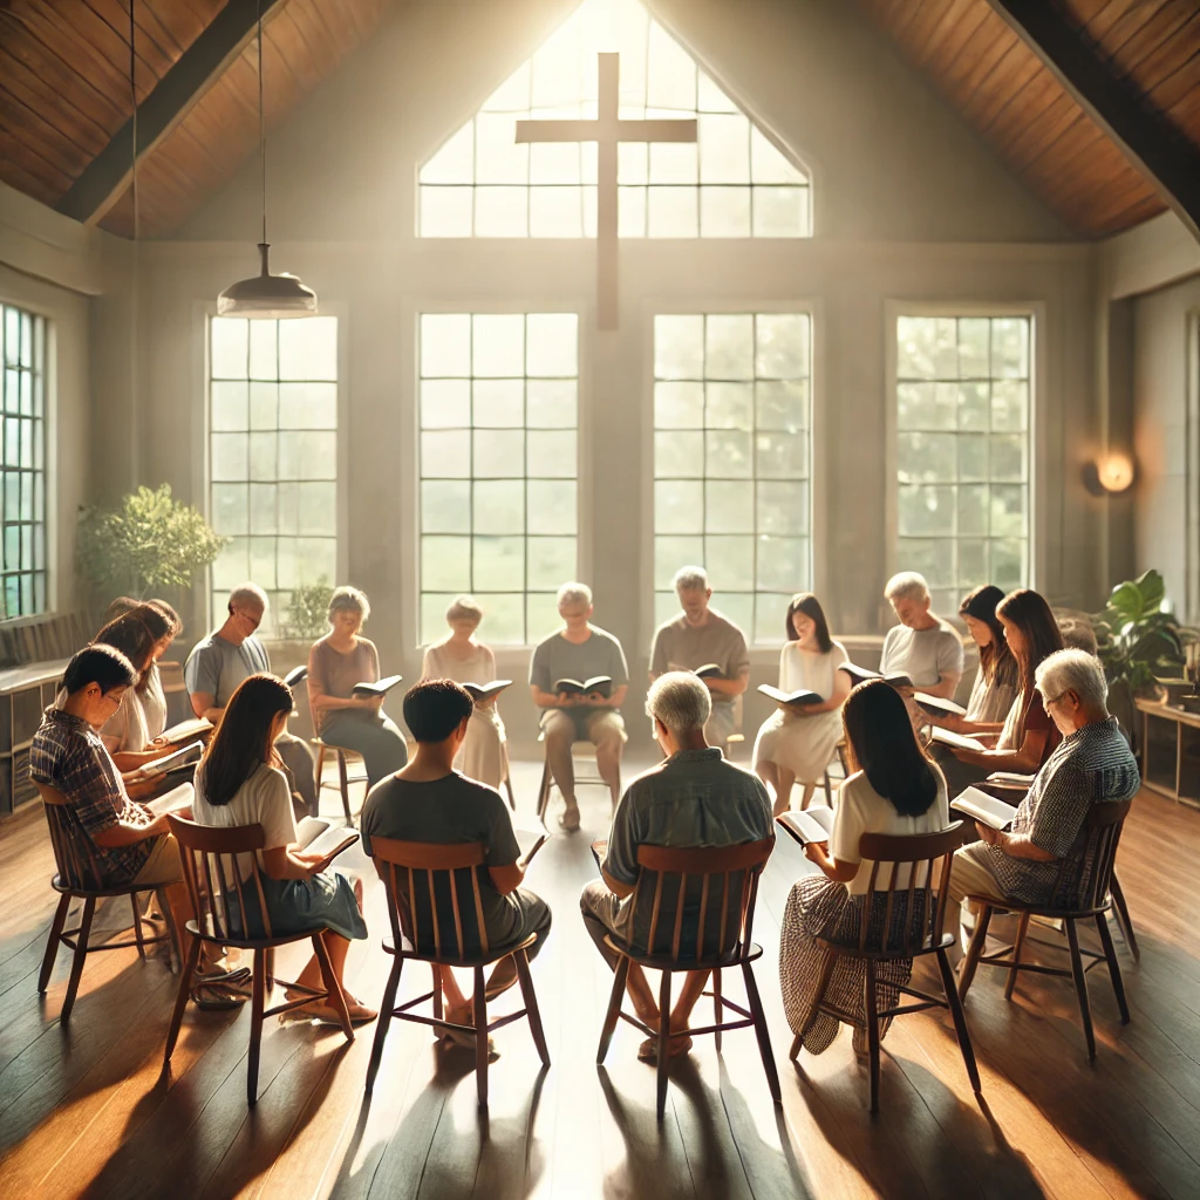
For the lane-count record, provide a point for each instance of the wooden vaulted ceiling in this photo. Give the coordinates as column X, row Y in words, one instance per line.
column 65, row 96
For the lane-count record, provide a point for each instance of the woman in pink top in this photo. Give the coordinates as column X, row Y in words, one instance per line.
column 336, row 664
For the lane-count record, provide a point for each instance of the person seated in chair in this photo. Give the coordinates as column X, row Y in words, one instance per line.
column 126, row 842
column 580, row 651
column 428, row 801
column 694, row 799
column 923, row 646
column 1039, row 860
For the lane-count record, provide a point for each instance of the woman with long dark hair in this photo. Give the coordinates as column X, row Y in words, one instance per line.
column 893, row 789
column 239, row 782
column 1029, row 735
column 797, row 741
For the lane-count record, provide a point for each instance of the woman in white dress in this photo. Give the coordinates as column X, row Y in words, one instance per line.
column 458, row 656
column 797, row 742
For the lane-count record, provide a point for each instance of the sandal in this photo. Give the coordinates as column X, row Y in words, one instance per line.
column 216, row 995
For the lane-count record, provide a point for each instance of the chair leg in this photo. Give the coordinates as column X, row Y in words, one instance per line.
column 333, row 988
column 481, row 1040
column 508, row 787
column 175, row 947
column 1077, row 973
column 269, row 959
column 137, row 925
column 544, row 791
column 620, row 975
column 960, row 1021
column 1114, row 969
column 385, row 1018
column 56, row 928
column 1121, row 913
column 718, row 1007
column 761, row 1032
column 181, row 999
column 319, row 782
column 344, row 787
column 873, row 1033
column 1022, row 927
column 81, row 942
column 437, row 989
column 257, row 996
column 664, row 1041
column 521, row 959
column 974, row 950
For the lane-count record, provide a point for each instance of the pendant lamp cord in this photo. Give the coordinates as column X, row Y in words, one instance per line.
column 134, row 307
column 262, row 124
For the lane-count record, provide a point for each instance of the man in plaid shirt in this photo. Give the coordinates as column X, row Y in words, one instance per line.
column 1092, row 765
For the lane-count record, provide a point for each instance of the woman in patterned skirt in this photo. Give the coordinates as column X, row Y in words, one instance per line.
column 894, row 789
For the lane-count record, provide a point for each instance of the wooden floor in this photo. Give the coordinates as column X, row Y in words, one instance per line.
column 86, row 1112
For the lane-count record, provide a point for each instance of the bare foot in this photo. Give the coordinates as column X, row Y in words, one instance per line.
column 648, row 1050
column 570, row 819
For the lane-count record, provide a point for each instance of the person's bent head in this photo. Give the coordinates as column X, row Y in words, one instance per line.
column 131, row 636
column 245, row 736
column 575, row 604
column 691, row 586
column 679, row 704
column 1073, row 688
column 806, row 624
column 95, row 680
column 978, row 610
column 348, row 610
column 1078, row 635
column 908, row 594
column 464, row 615
column 1031, row 631
column 163, row 623
column 119, row 607
column 883, row 745
column 436, row 710
column 247, row 607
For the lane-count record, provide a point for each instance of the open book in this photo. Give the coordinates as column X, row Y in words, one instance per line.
column 296, row 675
column 957, row 741
column 938, row 705
column 601, row 685
column 380, row 687
column 898, row 679
column 788, row 699
column 808, row 825
column 708, row 671
column 487, row 691
column 174, row 801
column 532, row 835
column 1013, row 780
column 988, row 810
column 181, row 759
column 187, row 731
column 318, row 834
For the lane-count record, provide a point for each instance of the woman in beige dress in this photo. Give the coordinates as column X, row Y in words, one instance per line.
column 458, row 656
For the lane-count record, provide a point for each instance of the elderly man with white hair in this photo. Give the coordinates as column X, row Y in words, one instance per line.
column 699, row 636
column 923, row 646
column 580, row 651
column 1092, row 765
column 693, row 799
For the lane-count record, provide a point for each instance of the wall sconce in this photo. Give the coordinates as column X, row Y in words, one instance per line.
column 1111, row 474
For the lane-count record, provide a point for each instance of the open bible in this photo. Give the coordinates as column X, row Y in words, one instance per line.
column 531, row 835
column 708, row 671
column 1012, row 780
column 187, row 731
column 788, row 700
column 296, row 675
column 183, row 759
column 487, row 691
column 957, row 741
column 988, row 810
column 898, row 679
column 600, row 685
column 938, row 705
column 807, row 825
column 319, row 835
column 174, row 801
column 380, row 687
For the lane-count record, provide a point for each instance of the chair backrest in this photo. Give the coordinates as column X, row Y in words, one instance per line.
column 1085, row 874
column 712, row 893
column 221, row 898
column 422, row 878
column 911, row 921
column 74, row 858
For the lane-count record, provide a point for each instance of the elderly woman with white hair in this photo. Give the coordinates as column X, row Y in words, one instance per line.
column 462, row 658
column 693, row 799
column 923, row 646
column 1091, row 765
column 336, row 664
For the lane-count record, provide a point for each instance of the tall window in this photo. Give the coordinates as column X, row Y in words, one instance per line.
column 273, row 457
column 23, row 356
column 731, row 461
column 733, row 182
column 498, row 470
column 962, row 452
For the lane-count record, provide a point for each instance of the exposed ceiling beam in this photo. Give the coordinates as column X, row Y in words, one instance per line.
column 1160, row 151
column 105, row 179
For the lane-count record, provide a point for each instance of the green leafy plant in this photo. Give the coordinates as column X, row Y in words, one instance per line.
column 308, row 611
column 1138, row 639
column 150, row 542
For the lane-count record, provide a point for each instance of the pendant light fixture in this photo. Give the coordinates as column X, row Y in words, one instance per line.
column 266, row 295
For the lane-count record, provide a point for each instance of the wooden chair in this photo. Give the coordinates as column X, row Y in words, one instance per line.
column 1101, row 836
column 921, row 934
column 77, row 877
column 581, row 749
column 413, row 874
column 345, row 779
column 218, row 893
column 717, row 889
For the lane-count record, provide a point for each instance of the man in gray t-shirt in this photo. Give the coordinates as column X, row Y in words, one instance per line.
column 222, row 660
column 580, row 651
column 698, row 637
column 922, row 646
column 694, row 799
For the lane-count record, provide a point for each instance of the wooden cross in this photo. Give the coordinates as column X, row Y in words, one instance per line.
column 607, row 131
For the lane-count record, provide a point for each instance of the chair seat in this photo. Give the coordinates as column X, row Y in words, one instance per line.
column 446, row 960
column 928, row 946
column 122, row 889
column 1041, row 910
column 263, row 943
column 667, row 962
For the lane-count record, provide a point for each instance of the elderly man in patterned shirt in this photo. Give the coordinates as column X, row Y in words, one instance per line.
column 1092, row 765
